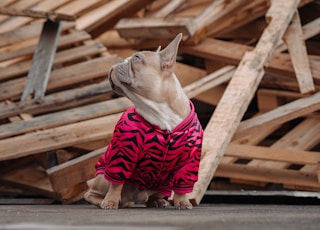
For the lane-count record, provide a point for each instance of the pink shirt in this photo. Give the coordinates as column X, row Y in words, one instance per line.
column 152, row 158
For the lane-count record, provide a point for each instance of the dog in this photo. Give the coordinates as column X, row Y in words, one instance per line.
column 156, row 146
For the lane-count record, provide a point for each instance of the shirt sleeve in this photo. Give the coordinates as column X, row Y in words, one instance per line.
column 187, row 175
column 119, row 161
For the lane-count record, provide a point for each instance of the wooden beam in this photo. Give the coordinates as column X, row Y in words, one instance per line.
column 60, row 57
column 61, row 100
column 168, row 8
column 42, row 61
column 232, row 53
column 66, row 76
column 106, row 16
column 52, row 16
column 59, row 137
column 243, row 85
column 160, row 28
column 65, row 117
column 65, row 40
column 252, row 173
column 74, row 171
column 298, row 54
column 280, row 115
column 212, row 80
column 272, row 154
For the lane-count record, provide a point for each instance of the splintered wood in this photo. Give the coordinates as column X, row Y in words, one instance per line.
column 255, row 64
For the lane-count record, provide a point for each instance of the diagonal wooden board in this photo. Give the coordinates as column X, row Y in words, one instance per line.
column 237, row 96
column 298, row 54
column 39, row 73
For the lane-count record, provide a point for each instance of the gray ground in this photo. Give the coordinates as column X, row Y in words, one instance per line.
column 205, row 216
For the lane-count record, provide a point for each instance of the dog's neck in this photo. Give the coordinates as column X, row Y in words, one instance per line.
column 166, row 114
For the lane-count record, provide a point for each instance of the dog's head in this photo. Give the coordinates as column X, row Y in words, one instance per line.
column 145, row 74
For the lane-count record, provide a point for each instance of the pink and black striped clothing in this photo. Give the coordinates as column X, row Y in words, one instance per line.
column 152, row 158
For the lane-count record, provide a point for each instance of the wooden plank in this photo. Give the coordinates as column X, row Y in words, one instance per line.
column 62, row 100
column 232, row 53
column 65, row 117
column 239, row 17
column 168, row 8
column 31, row 177
column 64, row 77
column 292, row 177
column 107, row 15
column 280, row 115
column 60, row 137
column 42, row 61
column 52, row 16
column 27, row 32
column 215, row 12
column 60, row 57
column 17, row 22
column 272, row 154
column 309, row 30
column 74, row 171
column 160, row 28
column 18, row 5
column 212, row 80
column 298, row 54
column 78, row 7
column 234, row 102
column 68, row 39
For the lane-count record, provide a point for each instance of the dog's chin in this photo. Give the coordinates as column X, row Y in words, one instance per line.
column 116, row 88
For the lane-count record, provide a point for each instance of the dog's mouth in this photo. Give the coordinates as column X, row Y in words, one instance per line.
column 114, row 87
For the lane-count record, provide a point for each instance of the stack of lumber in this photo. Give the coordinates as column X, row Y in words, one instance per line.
column 255, row 63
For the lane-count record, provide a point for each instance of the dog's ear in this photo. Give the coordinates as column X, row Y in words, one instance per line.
column 168, row 55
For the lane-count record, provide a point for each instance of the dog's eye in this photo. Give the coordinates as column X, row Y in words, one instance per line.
column 137, row 57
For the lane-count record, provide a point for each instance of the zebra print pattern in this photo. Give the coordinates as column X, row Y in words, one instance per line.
column 151, row 158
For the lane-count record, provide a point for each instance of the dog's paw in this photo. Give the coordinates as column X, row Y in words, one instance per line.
column 183, row 205
column 157, row 203
column 181, row 201
column 109, row 204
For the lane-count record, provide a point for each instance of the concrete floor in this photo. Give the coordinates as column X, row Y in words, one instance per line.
column 205, row 216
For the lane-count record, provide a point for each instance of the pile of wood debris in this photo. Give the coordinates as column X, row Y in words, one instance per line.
column 256, row 63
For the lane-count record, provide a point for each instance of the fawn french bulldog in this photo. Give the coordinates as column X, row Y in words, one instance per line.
column 156, row 145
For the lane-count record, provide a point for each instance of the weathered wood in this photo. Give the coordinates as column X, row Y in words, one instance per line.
column 60, row 58
column 32, row 178
column 212, row 80
column 287, row 112
column 61, row 100
column 162, row 28
column 16, row 22
column 52, row 16
column 60, row 137
column 65, row 117
column 66, row 76
column 298, row 54
column 65, row 40
column 39, row 73
column 234, row 102
column 107, row 15
column 272, row 154
column 241, row 16
column 168, row 8
column 74, row 171
column 232, row 53
column 309, row 30
column 292, row 177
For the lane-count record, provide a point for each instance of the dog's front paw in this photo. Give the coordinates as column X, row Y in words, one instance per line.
column 181, row 202
column 109, row 204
